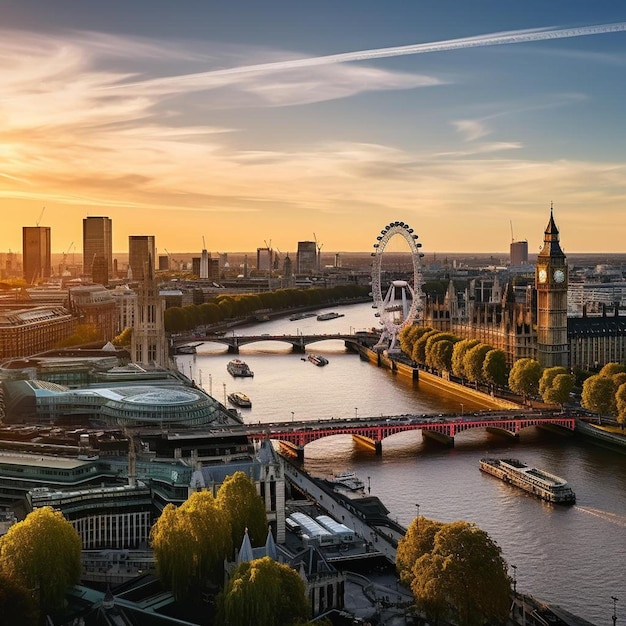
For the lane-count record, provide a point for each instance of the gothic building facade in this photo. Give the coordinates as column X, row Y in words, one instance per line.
column 531, row 321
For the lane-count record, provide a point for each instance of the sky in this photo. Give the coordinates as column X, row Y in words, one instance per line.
column 235, row 125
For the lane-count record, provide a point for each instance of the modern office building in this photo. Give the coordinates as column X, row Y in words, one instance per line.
column 36, row 253
column 264, row 260
column 306, row 258
column 97, row 246
column 141, row 254
column 518, row 253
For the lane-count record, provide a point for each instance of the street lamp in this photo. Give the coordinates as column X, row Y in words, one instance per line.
column 514, row 568
column 292, row 414
column 614, row 618
column 417, row 507
column 356, row 412
column 224, row 393
column 369, row 487
column 210, row 385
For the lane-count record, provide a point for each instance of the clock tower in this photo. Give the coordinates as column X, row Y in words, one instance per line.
column 551, row 285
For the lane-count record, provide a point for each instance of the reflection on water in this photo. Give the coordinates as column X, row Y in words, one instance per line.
column 572, row 555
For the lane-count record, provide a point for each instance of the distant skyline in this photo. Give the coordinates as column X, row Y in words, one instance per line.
column 244, row 123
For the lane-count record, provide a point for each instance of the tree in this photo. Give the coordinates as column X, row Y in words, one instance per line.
column 474, row 360
column 42, row 552
column 524, row 377
column 238, row 500
column 463, row 576
column 458, row 356
column 123, row 339
column 437, row 356
column 84, row 333
column 17, row 605
column 190, row 543
column 558, row 392
column 599, row 395
column 548, row 375
column 620, row 402
column 610, row 369
column 494, row 368
column 265, row 593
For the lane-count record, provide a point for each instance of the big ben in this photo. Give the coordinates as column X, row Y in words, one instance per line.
column 551, row 284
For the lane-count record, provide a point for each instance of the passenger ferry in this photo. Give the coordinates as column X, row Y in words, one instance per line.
column 240, row 399
column 318, row 360
column 239, row 369
column 538, row 482
column 322, row 317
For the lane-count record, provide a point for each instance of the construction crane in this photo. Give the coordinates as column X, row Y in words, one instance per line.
column 319, row 252
column 203, row 243
column 40, row 216
column 63, row 265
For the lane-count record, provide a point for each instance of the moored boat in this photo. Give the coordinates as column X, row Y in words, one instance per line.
column 239, row 399
column 322, row 317
column 300, row 316
column 239, row 369
column 347, row 480
column 318, row 359
column 537, row 482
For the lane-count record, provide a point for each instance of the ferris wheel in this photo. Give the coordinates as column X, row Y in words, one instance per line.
column 402, row 304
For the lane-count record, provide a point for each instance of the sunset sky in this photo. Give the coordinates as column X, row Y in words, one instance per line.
column 244, row 122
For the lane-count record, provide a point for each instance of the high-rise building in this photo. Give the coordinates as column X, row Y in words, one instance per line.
column 141, row 251
column 97, row 242
column 36, row 253
column 264, row 259
column 306, row 258
column 519, row 253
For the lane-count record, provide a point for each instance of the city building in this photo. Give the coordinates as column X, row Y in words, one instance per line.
column 306, row 258
column 148, row 341
column 94, row 306
column 36, row 254
column 141, row 253
column 518, row 253
column 25, row 331
column 264, row 260
column 530, row 320
column 98, row 245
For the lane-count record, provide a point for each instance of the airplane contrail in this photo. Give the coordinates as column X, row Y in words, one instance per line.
column 494, row 39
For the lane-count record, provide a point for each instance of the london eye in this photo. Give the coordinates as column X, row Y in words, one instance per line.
column 402, row 303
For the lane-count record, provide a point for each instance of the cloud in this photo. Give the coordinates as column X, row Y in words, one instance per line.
column 471, row 129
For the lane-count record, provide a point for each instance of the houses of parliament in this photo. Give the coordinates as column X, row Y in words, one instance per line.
column 529, row 319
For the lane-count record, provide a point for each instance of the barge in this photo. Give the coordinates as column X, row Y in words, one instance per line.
column 537, row 482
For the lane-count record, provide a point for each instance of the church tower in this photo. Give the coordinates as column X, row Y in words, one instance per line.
column 551, row 283
column 148, row 341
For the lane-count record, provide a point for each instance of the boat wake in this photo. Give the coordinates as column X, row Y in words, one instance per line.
column 614, row 518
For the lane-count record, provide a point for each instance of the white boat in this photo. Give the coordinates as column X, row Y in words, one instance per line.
column 239, row 369
column 318, row 360
column 239, row 399
column 538, row 482
column 347, row 480
column 322, row 317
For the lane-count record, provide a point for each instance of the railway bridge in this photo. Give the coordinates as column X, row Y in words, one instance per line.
column 370, row 431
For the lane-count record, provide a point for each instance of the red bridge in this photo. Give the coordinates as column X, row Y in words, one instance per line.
column 370, row 431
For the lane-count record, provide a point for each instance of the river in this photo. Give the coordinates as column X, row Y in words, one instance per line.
column 571, row 556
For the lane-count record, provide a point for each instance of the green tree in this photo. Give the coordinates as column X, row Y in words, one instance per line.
column 190, row 543
column 524, row 377
column 238, row 499
column 265, row 593
column 474, row 360
column 547, row 377
column 440, row 355
column 419, row 347
column 599, row 395
column 17, row 604
column 494, row 368
column 42, row 552
column 458, row 356
column 559, row 390
column 462, row 577
column 84, row 333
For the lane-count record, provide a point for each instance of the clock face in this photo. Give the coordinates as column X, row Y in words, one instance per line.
column 543, row 275
column 559, row 276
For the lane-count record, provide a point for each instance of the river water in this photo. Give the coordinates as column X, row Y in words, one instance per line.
column 571, row 556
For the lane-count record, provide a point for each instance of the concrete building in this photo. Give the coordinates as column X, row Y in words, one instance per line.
column 36, row 253
column 518, row 253
column 306, row 258
column 94, row 306
column 141, row 252
column 98, row 244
